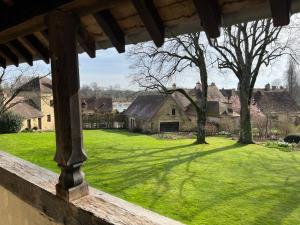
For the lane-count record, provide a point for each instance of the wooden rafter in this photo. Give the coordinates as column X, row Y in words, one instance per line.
column 9, row 54
column 210, row 15
column 151, row 19
column 18, row 47
column 86, row 41
column 281, row 12
column 112, row 29
column 37, row 46
column 21, row 11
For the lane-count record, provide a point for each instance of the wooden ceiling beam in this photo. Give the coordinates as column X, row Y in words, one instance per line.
column 281, row 12
column 210, row 15
column 20, row 11
column 86, row 41
column 9, row 54
column 112, row 29
column 37, row 46
column 18, row 47
column 151, row 19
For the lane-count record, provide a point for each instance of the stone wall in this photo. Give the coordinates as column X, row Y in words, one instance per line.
column 165, row 115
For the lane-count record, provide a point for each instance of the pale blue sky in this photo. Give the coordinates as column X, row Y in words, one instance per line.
column 112, row 68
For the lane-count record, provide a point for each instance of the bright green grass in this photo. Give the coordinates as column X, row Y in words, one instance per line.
column 221, row 183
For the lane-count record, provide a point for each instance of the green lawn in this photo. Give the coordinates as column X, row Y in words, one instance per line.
column 221, row 183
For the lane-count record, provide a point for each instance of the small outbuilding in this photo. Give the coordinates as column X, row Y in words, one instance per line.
column 156, row 113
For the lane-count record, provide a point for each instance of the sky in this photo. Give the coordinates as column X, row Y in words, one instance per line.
column 110, row 68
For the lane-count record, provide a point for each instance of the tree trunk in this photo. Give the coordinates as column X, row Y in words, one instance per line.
column 201, row 122
column 245, row 119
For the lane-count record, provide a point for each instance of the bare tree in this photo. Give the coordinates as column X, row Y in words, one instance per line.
column 244, row 49
column 154, row 68
column 292, row 78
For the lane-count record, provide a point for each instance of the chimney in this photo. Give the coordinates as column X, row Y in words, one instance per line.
column 267, row 87
column 213, row 84
column 174, row 86
column 274, row 88
column 198, row 85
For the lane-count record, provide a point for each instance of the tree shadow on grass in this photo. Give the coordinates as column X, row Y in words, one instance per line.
column 122, row 132
column 139, row 168
column 156, row 165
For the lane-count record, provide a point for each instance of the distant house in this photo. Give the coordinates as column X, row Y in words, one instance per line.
column 156, row 113
column 277, row 104
column 93, row 105
column 35, row 104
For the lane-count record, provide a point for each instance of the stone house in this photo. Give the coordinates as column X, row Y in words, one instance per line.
column 218, row 108
column 36, row 104
column 277, row 105
column 156, row 113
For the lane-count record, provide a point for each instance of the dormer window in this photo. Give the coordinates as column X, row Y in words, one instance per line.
column 173, row 112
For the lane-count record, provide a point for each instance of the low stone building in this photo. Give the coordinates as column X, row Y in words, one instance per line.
column 218, row 108
column 156, row 113
column 277, row 105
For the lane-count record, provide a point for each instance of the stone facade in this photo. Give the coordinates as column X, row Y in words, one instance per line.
column 37, row 105
column 168, row 114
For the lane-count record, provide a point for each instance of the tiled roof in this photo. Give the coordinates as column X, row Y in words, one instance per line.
column 145, row 106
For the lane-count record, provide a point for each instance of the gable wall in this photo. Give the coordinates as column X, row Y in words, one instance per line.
column 165, row 115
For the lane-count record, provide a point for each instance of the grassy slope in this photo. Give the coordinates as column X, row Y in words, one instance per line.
column 219, row 183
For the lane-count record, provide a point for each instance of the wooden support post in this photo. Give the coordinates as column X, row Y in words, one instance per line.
column 67, row 108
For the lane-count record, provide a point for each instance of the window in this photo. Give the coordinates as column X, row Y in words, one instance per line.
column 51, row 103
column 173, row 112
column 48, row 118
